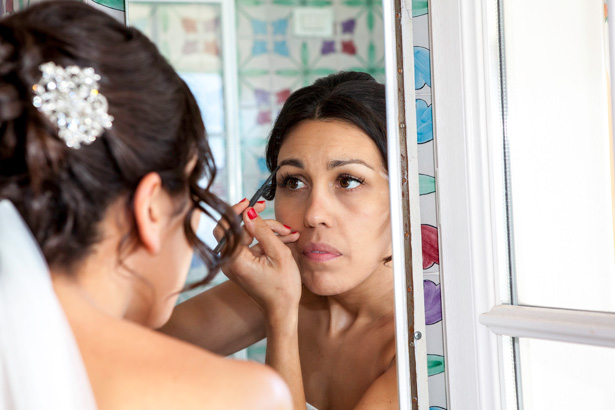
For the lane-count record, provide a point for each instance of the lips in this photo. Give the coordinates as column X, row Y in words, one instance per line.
column 320, row 252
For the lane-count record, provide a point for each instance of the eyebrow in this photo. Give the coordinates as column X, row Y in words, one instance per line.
column 292, row 162
column 332, row 164
column 342, row 162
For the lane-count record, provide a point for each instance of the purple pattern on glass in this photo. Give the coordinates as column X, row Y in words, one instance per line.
column 348, row 26
column 433, row 305
column 328, row 47
column 211, row 25
column 190, row 47
column 262, row 96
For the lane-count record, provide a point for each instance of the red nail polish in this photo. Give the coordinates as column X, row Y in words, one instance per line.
column 251, row 213
column 243, row 200
column 260, row 202
column 287, row 227
column 293, row 232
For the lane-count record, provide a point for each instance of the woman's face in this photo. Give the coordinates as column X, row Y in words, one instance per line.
column 333, row 189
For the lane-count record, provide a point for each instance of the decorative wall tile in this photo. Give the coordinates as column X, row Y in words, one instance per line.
column 273, row 60
column 188, row 35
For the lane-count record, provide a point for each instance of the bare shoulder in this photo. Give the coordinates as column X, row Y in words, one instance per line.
column 382, row 394
column 201, row 377
column 141, row 368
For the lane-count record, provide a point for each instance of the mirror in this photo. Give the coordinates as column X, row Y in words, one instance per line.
column 242, row 62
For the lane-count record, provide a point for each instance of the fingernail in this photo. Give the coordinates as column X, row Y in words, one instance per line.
column 293, row 232
column 287, row 227
column 251, row 213
column 260, row 202
column 243, row 200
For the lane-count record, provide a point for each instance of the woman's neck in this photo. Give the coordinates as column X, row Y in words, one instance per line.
column 99, row 283
column 370, row 301
column 91, row 290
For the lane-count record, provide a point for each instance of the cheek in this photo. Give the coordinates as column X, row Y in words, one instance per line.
column 372, row 227
column 288, row 212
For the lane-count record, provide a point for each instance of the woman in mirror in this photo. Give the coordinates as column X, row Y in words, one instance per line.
column 330, row 329
column 102, row 147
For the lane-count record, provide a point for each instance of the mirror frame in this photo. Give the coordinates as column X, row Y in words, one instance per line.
column 405, row 206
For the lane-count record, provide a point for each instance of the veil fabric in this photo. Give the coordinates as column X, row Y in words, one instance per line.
column 40, row 363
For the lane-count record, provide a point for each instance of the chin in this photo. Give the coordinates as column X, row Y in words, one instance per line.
column 320, row 285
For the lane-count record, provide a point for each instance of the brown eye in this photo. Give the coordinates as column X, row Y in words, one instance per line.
column 349, row 182
column 345, row 182
column 293, row 183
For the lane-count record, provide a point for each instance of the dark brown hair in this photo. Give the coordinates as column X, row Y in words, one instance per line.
column 349, row 96
column 63, row 193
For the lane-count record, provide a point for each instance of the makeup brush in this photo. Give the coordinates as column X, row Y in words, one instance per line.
column 253, row 201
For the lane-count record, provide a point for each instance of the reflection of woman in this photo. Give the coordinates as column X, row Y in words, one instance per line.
column 105, row 178
column 333, row 341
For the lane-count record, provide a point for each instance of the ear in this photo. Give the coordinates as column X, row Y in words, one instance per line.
column 148, row 211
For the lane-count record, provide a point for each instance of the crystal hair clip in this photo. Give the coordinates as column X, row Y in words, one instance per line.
column 69, row 98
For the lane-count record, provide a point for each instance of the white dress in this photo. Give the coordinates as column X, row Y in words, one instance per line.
column 40, row 363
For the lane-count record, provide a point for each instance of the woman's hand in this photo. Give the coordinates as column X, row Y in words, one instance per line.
column 267, row 271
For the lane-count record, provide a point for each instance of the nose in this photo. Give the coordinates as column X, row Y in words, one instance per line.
column 319, row 209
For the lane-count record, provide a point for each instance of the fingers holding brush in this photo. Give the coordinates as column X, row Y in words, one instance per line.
column 253, row 203
column 239, row 209
column 283, row 232
column 267, row 271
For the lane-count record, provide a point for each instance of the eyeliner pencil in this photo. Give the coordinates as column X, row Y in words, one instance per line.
column 253, row 200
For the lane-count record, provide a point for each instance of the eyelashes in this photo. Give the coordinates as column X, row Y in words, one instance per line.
column 349, row 182
column 290, row 182
column 293, row 182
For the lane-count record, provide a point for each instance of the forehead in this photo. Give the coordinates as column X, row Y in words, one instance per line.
column 329, row 139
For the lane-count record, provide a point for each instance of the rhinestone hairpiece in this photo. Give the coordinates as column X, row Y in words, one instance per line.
column 69, row 98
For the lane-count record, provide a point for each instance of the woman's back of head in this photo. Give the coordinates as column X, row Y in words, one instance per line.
column 62, row 192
